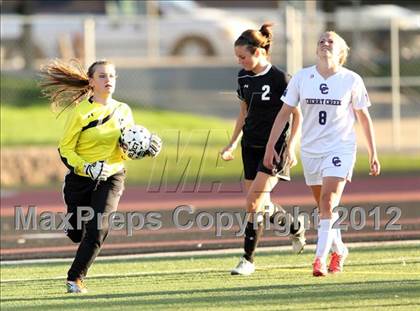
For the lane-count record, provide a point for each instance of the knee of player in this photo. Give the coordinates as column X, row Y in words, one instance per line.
column 97, row 238
column 251, row 204
column 74, row 236
column 327, row 201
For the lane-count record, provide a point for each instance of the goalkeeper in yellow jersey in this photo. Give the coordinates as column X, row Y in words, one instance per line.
column 90, row 149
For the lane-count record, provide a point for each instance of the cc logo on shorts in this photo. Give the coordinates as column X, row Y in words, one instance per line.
column 336, row 161
column 323, row 88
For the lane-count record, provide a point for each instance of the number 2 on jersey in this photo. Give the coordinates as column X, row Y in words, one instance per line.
column 266, row 89
column 322, row 117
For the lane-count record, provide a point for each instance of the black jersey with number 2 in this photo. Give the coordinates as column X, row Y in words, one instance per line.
column 261, row 92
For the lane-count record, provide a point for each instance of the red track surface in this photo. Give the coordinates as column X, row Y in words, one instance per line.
column 374, row 190
column 403, row 192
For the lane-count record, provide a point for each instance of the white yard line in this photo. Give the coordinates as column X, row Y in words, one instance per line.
column 293, row 267
column 205, row 252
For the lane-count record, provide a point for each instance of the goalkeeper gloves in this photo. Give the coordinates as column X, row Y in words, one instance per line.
column 155, row 146
column 98, row 170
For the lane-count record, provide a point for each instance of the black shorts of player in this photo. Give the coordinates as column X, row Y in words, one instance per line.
column 252, row 159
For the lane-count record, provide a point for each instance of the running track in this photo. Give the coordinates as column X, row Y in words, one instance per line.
column 402, row 192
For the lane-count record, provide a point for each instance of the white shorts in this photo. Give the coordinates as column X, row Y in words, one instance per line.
column 334, row 165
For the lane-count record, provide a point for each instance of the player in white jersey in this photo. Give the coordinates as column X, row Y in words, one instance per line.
column 331, row 97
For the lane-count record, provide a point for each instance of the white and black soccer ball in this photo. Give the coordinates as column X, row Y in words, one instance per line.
column 135, row 141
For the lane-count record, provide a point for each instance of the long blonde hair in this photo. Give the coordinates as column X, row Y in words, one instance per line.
column 67, row 83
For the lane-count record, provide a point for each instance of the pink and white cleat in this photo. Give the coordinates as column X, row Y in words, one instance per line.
column 319, row 268
column 337, row 261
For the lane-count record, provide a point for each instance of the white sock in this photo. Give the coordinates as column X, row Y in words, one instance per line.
column 340, row 249
column 337, row 244
column 269, row 207
column 325, row 238
column 334, row 246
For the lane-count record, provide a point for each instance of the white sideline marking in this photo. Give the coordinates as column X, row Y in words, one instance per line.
column 40, row 236
column 305, row 267
column 284, row 248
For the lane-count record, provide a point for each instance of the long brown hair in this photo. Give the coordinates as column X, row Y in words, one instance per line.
column 254, row 39
column 67, row 83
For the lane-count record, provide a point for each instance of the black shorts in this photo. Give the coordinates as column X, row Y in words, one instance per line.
column 252, row 159
column 83, row 191
column 103, row 197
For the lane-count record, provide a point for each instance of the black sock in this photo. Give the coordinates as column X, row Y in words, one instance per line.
column 252, row 237
column 282, row 215
column 282, row 218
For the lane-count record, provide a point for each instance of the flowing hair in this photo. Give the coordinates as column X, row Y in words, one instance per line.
column 67, row 83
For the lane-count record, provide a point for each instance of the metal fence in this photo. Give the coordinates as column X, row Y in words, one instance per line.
column 200, row 76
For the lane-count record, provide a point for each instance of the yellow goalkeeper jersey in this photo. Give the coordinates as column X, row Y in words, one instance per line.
column 91, row 134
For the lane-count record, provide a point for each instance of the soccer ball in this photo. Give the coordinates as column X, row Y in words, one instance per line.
column 135, row 141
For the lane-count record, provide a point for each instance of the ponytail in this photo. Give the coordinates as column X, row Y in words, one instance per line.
column 254, row 39
column 267, row 32
column 66, row 84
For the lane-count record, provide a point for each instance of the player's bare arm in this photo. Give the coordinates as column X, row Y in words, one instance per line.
column 291, row 145
column 279, row 123
column 366, row 122
column 227, row 151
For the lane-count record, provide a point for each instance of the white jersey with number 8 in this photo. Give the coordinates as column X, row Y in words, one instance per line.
column 327, row 108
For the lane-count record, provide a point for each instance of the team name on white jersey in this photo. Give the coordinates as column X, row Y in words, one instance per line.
column 328, row 109
column 322, row 101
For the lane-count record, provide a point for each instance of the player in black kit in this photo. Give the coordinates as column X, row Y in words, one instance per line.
column 260, row 86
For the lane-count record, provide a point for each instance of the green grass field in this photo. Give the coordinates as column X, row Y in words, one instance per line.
column 386, row 278
column 191, row 145
column 27, row 125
